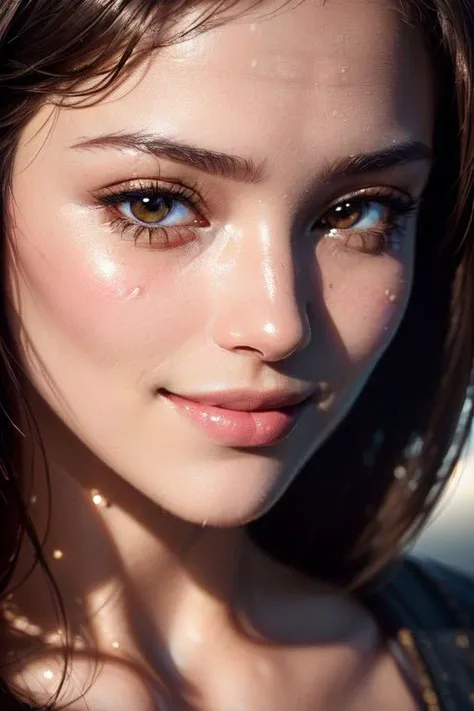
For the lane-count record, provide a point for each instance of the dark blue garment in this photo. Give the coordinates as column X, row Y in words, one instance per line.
column 429, row 607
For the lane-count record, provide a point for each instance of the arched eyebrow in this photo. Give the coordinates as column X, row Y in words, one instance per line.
column 240, row 169
column 222, row 165
column 363, row 163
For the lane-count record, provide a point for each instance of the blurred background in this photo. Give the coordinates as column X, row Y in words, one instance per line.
column 449, row 535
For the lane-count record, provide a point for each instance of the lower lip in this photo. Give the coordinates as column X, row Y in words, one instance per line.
column 237, row 428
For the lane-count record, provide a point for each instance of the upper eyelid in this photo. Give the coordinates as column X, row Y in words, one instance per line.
column 193, row 200
column 197, row 200
column 371, row 193
column 126, row 188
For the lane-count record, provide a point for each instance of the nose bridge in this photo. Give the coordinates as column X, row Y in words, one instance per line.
column 260, row 308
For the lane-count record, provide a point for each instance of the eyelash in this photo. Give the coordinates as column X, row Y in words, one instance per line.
column 377, row 240
column 382, row 238
column 158, row 237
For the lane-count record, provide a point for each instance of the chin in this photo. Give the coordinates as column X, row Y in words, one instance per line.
column 214, row 493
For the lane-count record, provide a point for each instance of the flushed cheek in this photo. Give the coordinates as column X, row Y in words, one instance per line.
column 107, row 302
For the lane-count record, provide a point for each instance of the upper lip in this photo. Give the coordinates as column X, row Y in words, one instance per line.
column 249, row 400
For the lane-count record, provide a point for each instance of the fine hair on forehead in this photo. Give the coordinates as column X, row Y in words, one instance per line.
column 372, row 484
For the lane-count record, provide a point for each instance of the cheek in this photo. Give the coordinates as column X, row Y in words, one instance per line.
column 366, row 305
column 110, row 303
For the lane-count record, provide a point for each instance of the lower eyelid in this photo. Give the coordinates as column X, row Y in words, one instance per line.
column 164, row 238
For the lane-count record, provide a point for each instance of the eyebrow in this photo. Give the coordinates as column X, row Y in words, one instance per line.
column 222, row 165
column 395, row 155
column 246, row 170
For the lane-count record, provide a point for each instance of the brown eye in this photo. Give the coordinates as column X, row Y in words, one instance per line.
column 344, row 216
column 151, row 209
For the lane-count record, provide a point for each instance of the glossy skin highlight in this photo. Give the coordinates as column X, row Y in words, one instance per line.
column 255, row 295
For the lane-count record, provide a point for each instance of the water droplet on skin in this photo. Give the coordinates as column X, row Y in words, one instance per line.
column 327, row 397
column 390, row 296
column 133, row 293
column 98, row 499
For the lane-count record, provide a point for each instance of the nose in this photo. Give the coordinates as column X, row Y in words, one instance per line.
column 259, row 309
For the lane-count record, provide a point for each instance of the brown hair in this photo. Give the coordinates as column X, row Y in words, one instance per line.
column 372, row 484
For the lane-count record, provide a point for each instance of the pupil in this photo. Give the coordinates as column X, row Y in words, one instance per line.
column 345, row 216
column 151, row 209
column 344, row 211
column 154, row 204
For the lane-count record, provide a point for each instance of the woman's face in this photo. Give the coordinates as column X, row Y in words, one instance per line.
column 238, row 218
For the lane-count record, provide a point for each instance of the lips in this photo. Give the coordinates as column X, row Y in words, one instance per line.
column 248, row 400
column 241, row 418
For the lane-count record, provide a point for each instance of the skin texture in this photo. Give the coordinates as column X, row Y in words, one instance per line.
column 257, row 300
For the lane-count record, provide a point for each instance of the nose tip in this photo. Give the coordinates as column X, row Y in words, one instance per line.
column 271, row 338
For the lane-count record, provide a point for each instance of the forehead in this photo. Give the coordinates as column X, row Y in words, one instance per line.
column 339, row 73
